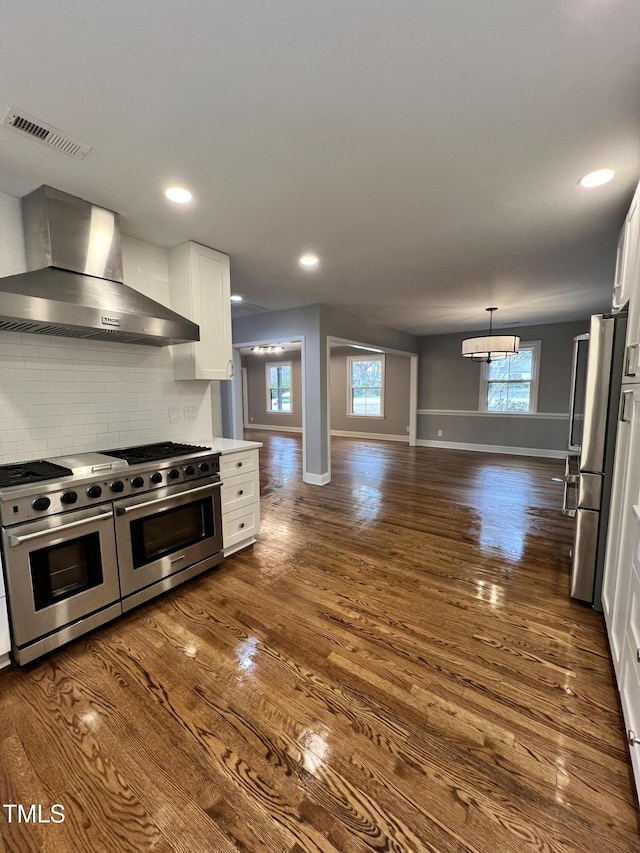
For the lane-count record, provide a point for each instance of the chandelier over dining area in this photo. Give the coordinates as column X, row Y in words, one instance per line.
column 490, row 347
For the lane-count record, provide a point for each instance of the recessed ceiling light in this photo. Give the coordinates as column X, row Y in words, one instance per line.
column 178, row 194
column 309, row 262
column 597, row 178
column 236, row 298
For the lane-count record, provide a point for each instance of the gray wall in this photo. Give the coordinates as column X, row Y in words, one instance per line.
column 342, row 325
column 449, row 382
column 257, row 390
column 396, row 395
column 314, row 323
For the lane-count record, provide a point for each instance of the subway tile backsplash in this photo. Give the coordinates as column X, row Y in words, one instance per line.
column 62, row 395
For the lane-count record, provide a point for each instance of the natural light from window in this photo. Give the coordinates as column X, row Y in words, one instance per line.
column 366, row 386
column 279, row 387
column 510, row 384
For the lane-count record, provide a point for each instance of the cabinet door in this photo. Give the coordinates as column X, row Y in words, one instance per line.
column 630, row 684
column 212, row 307
column 200, row 290
column 624, row 526
column 630, row 290
column 616, row 302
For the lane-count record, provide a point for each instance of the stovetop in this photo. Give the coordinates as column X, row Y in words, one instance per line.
column 153, row 452
column 34, row 471
column 45, row 487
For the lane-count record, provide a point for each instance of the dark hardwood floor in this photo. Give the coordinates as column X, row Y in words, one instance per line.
column 395, row 666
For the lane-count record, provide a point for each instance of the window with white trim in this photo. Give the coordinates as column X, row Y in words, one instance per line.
column 279, row 390
column 365, row 386
column 510, row 385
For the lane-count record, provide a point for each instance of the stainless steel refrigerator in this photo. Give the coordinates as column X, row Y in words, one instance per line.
column 595, row 398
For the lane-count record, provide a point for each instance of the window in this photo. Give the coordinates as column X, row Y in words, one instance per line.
column 365, row 377
column 279, row 387
column 510, row 385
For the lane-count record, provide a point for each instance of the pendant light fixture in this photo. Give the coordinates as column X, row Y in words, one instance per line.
column 492, row 347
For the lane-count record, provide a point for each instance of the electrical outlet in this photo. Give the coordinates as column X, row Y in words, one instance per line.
column 251, row 419
column 174, row 415
column 190, row 413
column 439, row 433
column 407, row 429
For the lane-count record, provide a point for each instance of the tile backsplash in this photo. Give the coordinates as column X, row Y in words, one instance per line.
column 62, row 395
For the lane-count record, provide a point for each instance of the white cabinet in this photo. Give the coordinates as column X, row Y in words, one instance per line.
column 621, row 582
column 621, row 586
column 200, row 290
column 627, row 255
column 616, row 580
column 616, row 302
column 240, row 499
column 630, row 290
column 630, row 675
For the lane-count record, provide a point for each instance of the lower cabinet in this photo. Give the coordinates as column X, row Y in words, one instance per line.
column 621, row 587
column 630, row 677
column 240, row 499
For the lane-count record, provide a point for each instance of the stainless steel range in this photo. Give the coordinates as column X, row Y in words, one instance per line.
column 88, row 537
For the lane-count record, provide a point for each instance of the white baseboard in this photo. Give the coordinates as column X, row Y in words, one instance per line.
column 380, row 436
column 341, row 433
column 492, row 448
column 316, row 479
column 273, row 428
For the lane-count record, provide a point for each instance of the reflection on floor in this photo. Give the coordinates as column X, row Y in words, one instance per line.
column 396, row 665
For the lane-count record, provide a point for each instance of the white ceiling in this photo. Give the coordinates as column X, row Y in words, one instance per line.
column 428, row 152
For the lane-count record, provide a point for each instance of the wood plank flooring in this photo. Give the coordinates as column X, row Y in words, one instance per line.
column 395, row 666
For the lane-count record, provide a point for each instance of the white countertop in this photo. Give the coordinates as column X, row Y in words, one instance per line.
column 229, row 445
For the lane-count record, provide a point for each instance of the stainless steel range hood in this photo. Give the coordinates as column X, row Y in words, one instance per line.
column 73, row 286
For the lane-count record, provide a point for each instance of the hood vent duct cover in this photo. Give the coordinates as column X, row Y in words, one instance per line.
column 74, row 285
column 43, row 132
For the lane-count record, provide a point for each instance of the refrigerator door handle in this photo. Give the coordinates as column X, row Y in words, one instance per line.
column 572, row 401
column 571, row 513
column 571, row 480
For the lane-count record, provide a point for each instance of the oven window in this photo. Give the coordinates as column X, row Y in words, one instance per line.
column 156, row 536
column 64, row 570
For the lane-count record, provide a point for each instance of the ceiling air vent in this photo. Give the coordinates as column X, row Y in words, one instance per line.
column 45, row 133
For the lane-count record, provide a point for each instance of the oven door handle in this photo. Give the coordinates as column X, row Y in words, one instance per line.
column 14, row 540
column 124, row 510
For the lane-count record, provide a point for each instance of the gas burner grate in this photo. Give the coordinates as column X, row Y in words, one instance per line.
column 153, row 452
column 33, row 471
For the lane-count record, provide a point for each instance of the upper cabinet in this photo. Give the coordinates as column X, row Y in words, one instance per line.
column 627, row 256
column 631, row 290
column 200, row 290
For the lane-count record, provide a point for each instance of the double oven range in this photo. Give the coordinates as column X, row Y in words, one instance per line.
column 88, row 537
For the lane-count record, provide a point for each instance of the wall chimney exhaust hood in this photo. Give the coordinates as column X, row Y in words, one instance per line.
column 73, row 286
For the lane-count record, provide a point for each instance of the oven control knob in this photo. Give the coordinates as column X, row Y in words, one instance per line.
column 69, row 497
column 41, row 504
column 173, row 474
column 117, row 486
column 156, row 477
column 137, row 482
column 94, row 491
column 189, row 470
column 204, row 466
